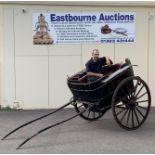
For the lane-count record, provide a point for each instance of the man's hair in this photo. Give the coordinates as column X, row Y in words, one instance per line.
column 94, row 50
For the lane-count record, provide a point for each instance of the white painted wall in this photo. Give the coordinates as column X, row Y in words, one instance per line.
column 8, row 70
column 35, row 75
column 60, row 66
column 1, row 50
column 151, row 59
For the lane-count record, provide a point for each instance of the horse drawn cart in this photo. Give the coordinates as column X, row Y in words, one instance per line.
column 119, row 89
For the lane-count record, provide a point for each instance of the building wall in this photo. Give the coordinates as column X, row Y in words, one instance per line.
column 1, row 49
column 35, row 75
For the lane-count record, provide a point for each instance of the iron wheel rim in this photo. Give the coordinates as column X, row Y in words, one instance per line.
column 135, row 106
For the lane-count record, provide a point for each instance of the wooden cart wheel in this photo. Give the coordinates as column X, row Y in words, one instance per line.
column 89, row 115
column 131, row 103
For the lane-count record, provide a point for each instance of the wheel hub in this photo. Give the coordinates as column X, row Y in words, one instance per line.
column 132, row 104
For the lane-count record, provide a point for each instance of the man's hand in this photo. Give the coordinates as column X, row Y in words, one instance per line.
column 108, row 62
column 100, row 75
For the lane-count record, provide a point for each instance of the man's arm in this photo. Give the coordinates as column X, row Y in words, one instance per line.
column 94, row 74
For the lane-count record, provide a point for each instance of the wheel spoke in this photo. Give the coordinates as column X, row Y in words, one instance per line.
column 136, row 117
column 99, row 113
column 94, row 114
column 123, row 91
column 130, row 93
column 142, row 107
column 120, row 106
column 140, row 112
column 127, row 91
column 131, row 102
column 135, row 88
column 120, row 112
column 132, row 119
column 139, row 91
column 88, row 113
column 141, row 95
column 128, row 117
column 122, row 99
column 123, row 115
column 80, row 106
column 142, row 101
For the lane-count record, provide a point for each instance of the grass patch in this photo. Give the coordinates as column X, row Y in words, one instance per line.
column 7, row 108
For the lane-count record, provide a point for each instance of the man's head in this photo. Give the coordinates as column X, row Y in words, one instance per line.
column 95, row 54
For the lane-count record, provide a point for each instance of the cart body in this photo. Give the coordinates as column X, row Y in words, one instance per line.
column 102, row 89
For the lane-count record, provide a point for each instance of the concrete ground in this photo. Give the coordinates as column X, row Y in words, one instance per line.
column 76, row 136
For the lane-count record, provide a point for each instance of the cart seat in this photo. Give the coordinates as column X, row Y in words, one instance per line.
column 82, row 76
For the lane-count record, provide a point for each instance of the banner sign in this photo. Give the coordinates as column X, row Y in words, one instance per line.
column 83, row 28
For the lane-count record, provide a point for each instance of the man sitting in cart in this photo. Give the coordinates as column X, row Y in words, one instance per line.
column 95, row 64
